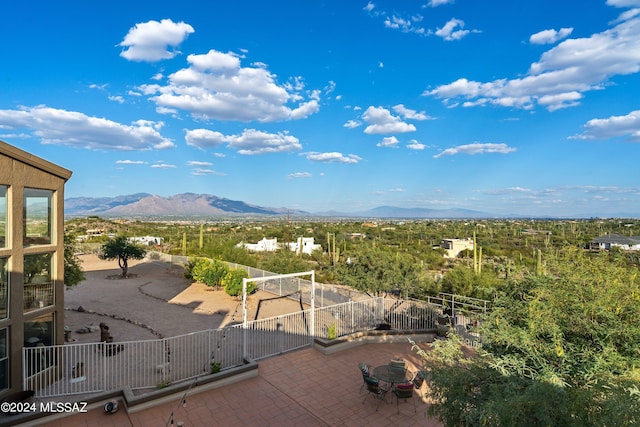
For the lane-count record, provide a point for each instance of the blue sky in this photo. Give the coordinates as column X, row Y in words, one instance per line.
column 507, row 107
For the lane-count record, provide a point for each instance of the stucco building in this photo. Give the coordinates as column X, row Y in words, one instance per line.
column 31, row 262
column 305, row 245
column 453, row 247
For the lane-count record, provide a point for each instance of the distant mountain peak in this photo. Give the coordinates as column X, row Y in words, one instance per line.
column 185, row 204
column 194, row 204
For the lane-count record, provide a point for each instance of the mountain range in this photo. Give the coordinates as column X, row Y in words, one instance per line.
column 190, row 204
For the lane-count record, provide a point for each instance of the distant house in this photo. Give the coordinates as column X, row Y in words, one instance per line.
column 146, row 240
column 608, row 241
column 453, row 247
column 264, row 245
column 303, row 245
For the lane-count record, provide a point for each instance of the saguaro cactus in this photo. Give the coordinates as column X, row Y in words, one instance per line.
column 539, row 263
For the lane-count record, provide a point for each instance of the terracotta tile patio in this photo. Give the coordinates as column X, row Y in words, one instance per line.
column 301, row 388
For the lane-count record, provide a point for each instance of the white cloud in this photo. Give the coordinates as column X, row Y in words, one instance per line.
column 390, row 190
column 330, row 88
column 507, row 191
column 251, row 141
column 449, row 31
column 561, row 100
column 415, row 145
column 299, row 175
column 381, row 121
column 131, row 162
column 351, row 124
column 627, row 127
column 215, row 86
column 333, row 157
column 410, row 114
column 476, row 148
column 204, row 172
column 629, row 14
column 55, row 126
column 623, row 3
column 388, row 141
column 436, row 3
column 550, row 36
column 150, row 41
column 199, row 163
column 116, row 98
column 14, row 135
column 369, row 7
column 163, row 165
column 406, row 25
column 573, row 66
column 204, row 138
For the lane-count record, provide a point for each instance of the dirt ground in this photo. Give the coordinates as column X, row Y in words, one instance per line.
column 157, row 302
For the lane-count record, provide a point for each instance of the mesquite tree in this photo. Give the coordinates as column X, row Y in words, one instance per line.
column 121, row 249
column 558, row 349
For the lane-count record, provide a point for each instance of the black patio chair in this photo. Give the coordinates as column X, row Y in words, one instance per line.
column 404, row 391
column 364, row 370
column 374, row 389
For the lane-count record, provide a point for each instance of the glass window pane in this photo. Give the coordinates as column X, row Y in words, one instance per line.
column 38, row 333
column 37, row 216
column 4, row 288
column 3, row 216
column 4, row 360
column 38, row 287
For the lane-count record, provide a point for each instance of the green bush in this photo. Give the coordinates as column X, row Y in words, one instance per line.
column 211, row 272
column 233, row 282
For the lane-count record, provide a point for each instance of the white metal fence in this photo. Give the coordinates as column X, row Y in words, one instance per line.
column 294, row 287
column 98, row 367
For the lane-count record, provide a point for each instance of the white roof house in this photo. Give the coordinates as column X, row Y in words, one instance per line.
column 303, row 245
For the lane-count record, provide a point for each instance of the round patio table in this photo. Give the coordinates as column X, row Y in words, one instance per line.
column 390, row 375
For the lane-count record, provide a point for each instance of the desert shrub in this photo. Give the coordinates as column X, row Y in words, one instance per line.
column 233, row 282
column 211, row 272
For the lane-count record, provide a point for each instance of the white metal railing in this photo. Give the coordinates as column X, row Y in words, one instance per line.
column 294, row 287
column 95, row 367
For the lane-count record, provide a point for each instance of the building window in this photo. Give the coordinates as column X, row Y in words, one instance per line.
column 4, row 359
column 4, row 288
column 37, row 216
column 38, row 287
column 3, row 216
column 38, row 333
